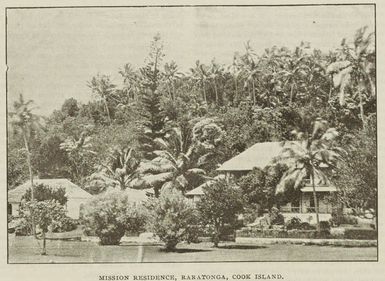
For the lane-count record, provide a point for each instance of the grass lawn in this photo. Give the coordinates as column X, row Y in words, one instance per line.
column 26, row 250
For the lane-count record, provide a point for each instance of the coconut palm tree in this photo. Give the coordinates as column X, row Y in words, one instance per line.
column 77, row 150
column 131, row 82
column 24, row 122
column 235, row 69
column 201, row 74
column 310, row 156
column 102, row 86
column 250, row 70
column 356, row 67
column 171, row 75
column 215, row 74
column 118, row 171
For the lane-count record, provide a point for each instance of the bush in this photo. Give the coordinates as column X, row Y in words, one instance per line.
column 23, row 227
column 195, row 231
column 172, row 217
column 276, row 218
column 360, row 233
column 9, row 218
column 261, row 233
column 324, row 229
column 249, row 215
column 293, row 223
column 219, row 207
column 42, row 192
column 110, row 215
column 305, row 234
column 306, row 226
column 337, row 220
column 65, row 224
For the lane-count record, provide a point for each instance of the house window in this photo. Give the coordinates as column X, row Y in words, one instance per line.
column 295, row 206
column 312, row 205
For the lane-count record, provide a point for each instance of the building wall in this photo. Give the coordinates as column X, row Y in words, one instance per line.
column 307, row 217
column 73, row 207
column 15, row 209
column 324, row 206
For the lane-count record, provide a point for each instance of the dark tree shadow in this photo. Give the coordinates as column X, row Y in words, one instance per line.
column 241, row 247
column 181, row 251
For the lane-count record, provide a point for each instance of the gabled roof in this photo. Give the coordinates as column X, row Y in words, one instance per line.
column 257, row 156
column 199, row 190
column 196, row 191
column 133, row 195
column 72, row 190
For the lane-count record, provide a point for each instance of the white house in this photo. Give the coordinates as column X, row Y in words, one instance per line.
column 261, row 155
column 75, row 195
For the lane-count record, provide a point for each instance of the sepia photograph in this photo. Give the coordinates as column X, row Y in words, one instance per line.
column 191, row 134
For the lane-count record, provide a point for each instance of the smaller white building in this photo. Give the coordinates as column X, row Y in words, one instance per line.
column 76, row 196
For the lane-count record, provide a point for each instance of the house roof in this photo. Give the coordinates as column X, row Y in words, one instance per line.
column 137, row 195
column 133, row 195
column 72, row 190
column 199, row 190
column 196, row 191
column 257, row 156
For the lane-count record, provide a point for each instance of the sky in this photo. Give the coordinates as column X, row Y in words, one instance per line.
column 52, row 53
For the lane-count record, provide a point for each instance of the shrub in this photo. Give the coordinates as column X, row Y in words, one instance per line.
column 195, row 231
column 110, row 215
column 9, row 218
column 43, row 192
column 45, row 214
column 250, row 215
column 306, row 226
column 337, row 220
column 324, row 226
column 276, row 218
column 324, row 229
column 305, row 234
column 64, row 224
column 172, row 217
column 23, row 227
column 219, row 207
column 293, row 223
column 360, row 233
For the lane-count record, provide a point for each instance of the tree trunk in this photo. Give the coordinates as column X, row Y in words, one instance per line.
column 216, row 236
column 44, row 251
column 216, row 93
column 291, row 93
column 122, row 184
column 170, row 92
column 31, row 180
column 204, row 92
column 362, row 112
column 254, row 98
column 315, row 202
column 107, row 110
column 236, row 90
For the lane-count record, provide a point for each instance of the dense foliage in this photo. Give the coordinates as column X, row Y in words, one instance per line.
column 43, row 192
column 219, row 207
column 182, row 125
column 110, row 215
column 45, row 214
column 258, row 187
column 171, row 217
